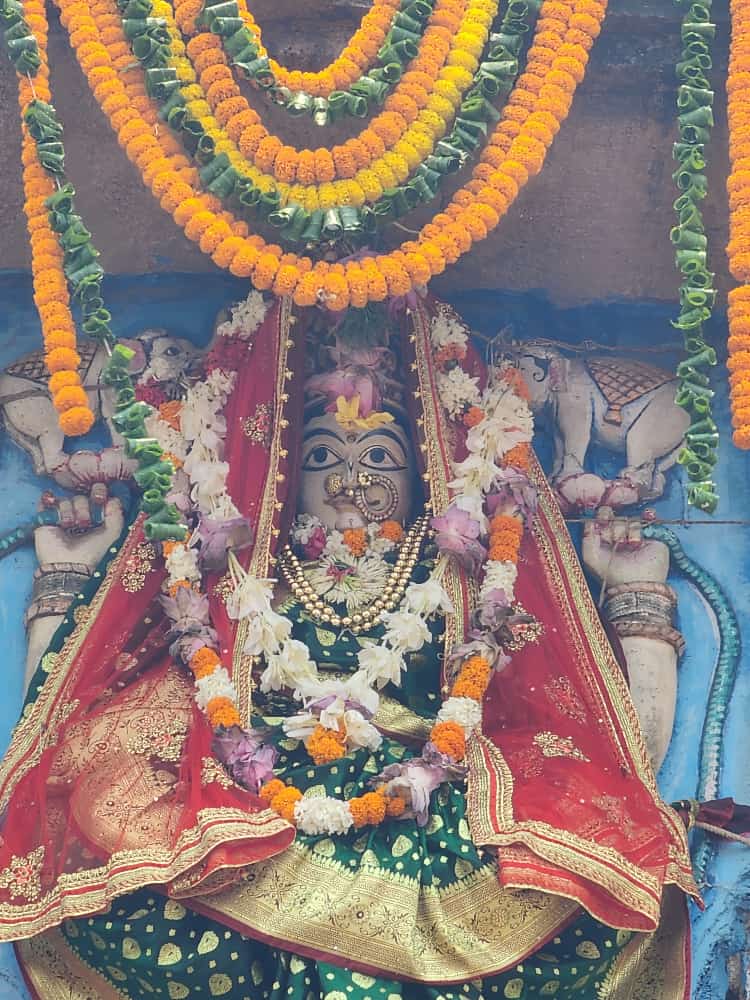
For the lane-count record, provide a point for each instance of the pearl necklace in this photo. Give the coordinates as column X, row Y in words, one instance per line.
column 319, row 610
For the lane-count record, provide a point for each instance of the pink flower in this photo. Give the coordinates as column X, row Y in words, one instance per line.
column 315, row 544
column 347, row 384
column 457, row 535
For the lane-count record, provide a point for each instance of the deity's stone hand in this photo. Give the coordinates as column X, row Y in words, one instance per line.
column 632, row 571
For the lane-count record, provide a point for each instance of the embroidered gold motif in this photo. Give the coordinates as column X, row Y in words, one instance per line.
column 258, row 427
column 566, row 699
column 80, row 614
column 159, row 738
column 553, row 745
column 138, row 565
column 212, row 771
column 524, row 632
column 224, row 588
column 21, row 877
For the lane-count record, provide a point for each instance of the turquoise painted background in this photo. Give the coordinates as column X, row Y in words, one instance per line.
column 186, row 306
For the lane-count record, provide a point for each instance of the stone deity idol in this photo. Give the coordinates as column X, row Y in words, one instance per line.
column 362, row 734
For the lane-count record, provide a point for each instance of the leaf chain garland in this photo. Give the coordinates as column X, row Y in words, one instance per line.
column 517, row 147
column 347, row 222
column 242, row 46
column 697, row 295
column 62, row 255
column 19, row 29
column 738, row 187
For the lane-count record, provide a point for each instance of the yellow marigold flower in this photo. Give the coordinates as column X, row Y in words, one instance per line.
column 464, row 59
column 327, row 195
column 397, row 165
column 370, row 184
column 407, row 149
column 442, row 107
column 384, row 173
column 193, row 92
column 448, row 90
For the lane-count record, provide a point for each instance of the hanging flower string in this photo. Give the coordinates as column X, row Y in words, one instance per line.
column 540, row 100
column 738, row 186
column 697, row 295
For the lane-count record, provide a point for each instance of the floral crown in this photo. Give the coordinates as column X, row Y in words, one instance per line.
column 354, row 373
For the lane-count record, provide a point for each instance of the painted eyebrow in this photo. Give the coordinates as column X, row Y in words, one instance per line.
column 386, row 433
column 321, row 432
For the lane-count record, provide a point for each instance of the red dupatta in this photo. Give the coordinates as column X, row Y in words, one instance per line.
column 559, row 781
column 109, row 783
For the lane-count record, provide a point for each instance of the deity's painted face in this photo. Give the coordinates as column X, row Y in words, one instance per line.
column 351, row 477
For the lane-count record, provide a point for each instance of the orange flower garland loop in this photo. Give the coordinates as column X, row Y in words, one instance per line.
column 540, row 108
column 51, row 296
column 435, row 63
column 355, row 58
column 738, row 250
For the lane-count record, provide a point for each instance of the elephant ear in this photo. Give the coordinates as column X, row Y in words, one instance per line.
column 140, row 359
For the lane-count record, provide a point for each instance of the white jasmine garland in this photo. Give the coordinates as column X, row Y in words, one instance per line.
column 446, row 329
column 303, row 528
column 317, row 815
column 245, row 317
column 427, row 598
column 381, row 665
column 217, row 684
column 457, row 390
column 466, row 712
column 405, row 631
column 182, row 564
column 499, row 576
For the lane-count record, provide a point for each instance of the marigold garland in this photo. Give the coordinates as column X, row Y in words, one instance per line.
column 537, row 102
column 48, row 276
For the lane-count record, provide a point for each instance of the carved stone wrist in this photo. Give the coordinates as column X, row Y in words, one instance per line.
column 644, row 608
column 55, row 586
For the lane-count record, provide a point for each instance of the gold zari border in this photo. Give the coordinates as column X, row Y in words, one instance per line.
column 312, row 904
column 55, row 972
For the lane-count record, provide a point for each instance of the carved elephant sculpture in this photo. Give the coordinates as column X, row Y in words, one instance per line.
column 29, row 416
column 626, row 406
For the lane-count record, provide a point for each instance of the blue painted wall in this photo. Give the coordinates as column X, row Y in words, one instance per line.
column 187, row 305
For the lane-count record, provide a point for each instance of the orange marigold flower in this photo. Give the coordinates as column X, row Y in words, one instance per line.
column 284, row 802
column 70, row 396
column 505, row 522
column 473, row 416
column 449, row 739
column 395, row 806
column 204, row 662
column 63, row 380
column 326, row 745
column 355, row 540
column 222, row 712
column 62, row 359
column 271, row 789
column 517, row 457
column 77, row 421
column 368, row 809
column 391, row 530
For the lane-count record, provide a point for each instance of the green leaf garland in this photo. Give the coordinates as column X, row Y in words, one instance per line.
column 697, row 294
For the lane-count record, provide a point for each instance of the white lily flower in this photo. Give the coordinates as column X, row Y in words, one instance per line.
column 251, row 597
column 382, row 665
column 427, row 598
column 406, row 632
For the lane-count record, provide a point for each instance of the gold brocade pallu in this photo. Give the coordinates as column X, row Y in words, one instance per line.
column 560, row 790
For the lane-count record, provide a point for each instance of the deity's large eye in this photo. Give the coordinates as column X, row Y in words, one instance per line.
column 379, row 457
column 320, row 457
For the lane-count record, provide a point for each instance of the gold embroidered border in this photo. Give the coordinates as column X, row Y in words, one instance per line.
column 388, row 921
column 598, row 864
column 55, row 972
column 654, row 965
column 589, row 630
column 80, row 893
column 27, row 741
column 394, row 719
column 261, row 556
column 439, row 469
